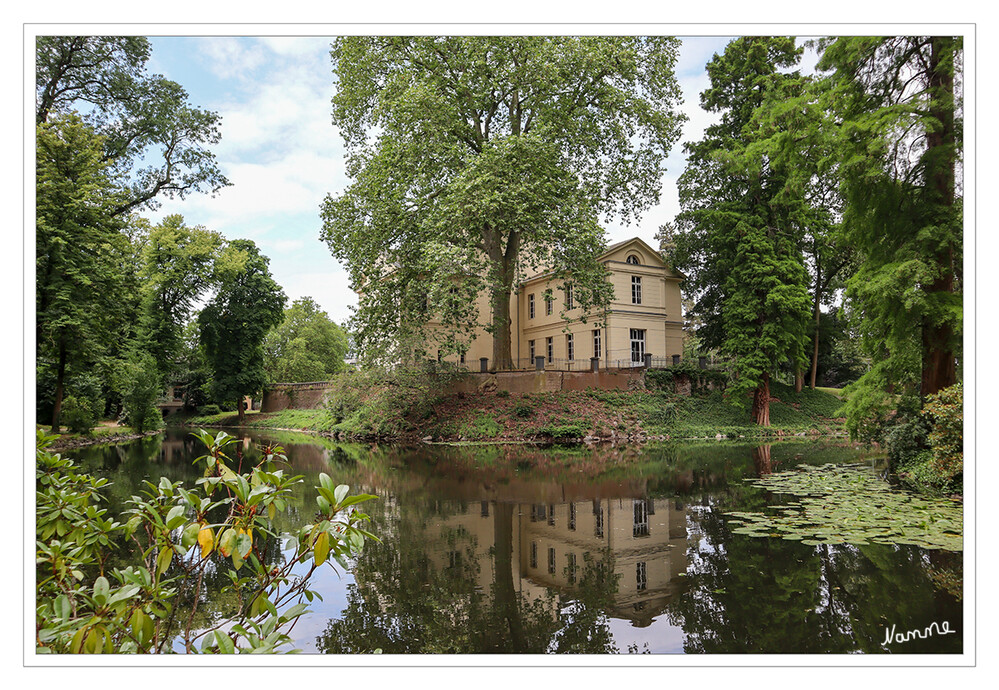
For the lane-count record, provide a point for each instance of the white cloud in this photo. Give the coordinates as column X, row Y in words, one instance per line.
column 230, row 57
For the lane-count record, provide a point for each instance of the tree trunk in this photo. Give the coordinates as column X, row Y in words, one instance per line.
column 761, row 402
column 815, row 343
column 761, row 460
column 60, row 378
column 799, row 379
column 505, row 594
column 502, row 340
column 939, row 370
column 240, row 405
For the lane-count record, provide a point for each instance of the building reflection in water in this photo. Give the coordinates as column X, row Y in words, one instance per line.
column 643, row 542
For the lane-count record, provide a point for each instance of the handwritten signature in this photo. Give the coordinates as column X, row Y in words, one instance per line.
column 928, row 631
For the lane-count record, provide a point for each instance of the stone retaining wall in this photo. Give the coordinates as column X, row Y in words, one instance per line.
column 294, row 396
column 549, row 381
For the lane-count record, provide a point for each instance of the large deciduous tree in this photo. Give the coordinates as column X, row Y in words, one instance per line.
column 80, row 252
column 177, row 269
column 740, row 231
column 154, row 142
column 306, row 346
column 478, row 159
column 897, row 101
column 233, row 324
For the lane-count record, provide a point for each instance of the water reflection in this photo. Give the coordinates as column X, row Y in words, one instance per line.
column 518, row 550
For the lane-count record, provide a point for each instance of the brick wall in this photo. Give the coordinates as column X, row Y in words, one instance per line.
column 294, row 396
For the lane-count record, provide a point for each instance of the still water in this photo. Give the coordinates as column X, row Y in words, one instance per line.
column 513, row 549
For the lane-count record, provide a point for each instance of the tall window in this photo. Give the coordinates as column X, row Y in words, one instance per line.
column 640, row 527
column 636, row 289
column 637, row 345
column 530, row 306
column 569, row 349
column 550, row 346
column 551, row 560
column 530, row 348
column 572, row 516
column 551, row 514
column 534, row 554
column 572, row 568
column 641, row 577
column 548, row 306
column 568, row 297
column 598, row 519
column 596, row 342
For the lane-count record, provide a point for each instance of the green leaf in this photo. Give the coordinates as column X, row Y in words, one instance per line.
column 322, row 548
column 225, row 643
column 163, row 560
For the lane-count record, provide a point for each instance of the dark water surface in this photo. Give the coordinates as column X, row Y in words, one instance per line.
column 514, row 549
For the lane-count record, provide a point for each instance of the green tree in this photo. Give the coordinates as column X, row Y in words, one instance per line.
column 478, row 159
column 306, row 346
column 178, row 263
column 740, row 231
column 897, row 103
column 79, row 250
column 247, row 304
column 154, row 142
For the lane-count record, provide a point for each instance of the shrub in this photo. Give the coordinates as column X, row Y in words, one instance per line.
column 81, row 608
column 523, row 410
column 78, row 415
column 945, row 413
column 140, row 390
column 209, row 410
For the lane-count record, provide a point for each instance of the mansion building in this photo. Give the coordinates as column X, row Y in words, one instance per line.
column 643, row 317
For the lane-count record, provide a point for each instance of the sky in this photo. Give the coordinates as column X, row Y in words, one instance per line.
column 283, row 155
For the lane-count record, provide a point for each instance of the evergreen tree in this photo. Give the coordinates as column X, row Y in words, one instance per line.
column 740, row 231
column 897, row 103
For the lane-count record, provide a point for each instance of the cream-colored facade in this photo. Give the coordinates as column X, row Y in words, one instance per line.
column 644, row 317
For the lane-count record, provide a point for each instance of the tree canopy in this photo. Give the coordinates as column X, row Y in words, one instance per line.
column 477, row 159
column 898, row 103
column 306, row 346
column 80, row 251
column 154, row 142
column 247, row 304
column 740, row 230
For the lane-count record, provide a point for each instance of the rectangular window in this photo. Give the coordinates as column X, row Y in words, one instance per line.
column 640, row 526
column 534, row 554
column 485, row 508
column 462, row 358
column 637, row 346
column 551, row 514
column 530, row 306
column 550, row 346
column 636, row 289
column 548, row 306
column 641, row 577
column 572, row 517
column 598, row 519
column 596, row 342
column 569, row 349
column 568, row 297
column 551, row 560
column 530, row 348
column 572, row 568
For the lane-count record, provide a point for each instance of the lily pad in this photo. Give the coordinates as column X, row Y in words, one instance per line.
column 839, row 504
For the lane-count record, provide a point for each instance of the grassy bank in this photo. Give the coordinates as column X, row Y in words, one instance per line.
column 413, row 409
column 105, row 433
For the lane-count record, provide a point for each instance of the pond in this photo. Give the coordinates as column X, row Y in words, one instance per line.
column 516, row 549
